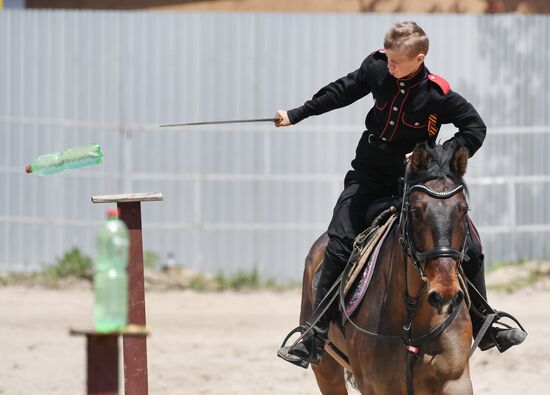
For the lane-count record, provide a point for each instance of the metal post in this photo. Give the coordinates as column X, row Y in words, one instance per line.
column 135, row 348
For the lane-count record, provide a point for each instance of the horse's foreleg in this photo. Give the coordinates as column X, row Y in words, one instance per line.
column 460, row 386
column 330, row 376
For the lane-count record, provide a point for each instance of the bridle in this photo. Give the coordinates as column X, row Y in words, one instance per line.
column 420, row 258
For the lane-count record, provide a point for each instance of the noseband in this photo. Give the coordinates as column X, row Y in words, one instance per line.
column 420, row 258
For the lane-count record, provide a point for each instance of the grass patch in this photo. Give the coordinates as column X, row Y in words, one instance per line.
column 201, row 283
column 72, row 264
column 251, row 280
column 515, row 284
column 239, row 280
column 524, row 278
column 150, row 259
column 73, row 267
column 496, row 265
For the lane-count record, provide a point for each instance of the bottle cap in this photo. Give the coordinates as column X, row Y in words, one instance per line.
column 112, row 213
column 28, row 169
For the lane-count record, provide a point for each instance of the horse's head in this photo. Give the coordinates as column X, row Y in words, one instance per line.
column 434, row 225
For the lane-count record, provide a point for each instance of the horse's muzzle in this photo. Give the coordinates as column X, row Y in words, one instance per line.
column 445, row 306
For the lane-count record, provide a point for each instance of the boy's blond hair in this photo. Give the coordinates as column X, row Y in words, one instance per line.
column 407, row 37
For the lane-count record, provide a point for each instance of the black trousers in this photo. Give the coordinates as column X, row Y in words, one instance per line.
column 375, row 177
column 348, row 220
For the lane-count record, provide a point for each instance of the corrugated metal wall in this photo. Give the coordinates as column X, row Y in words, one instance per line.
column 245, row 195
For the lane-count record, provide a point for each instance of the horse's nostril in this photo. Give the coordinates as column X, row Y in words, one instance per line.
column 436, row 300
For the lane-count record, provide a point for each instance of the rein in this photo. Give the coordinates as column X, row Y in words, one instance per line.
column 419, row 260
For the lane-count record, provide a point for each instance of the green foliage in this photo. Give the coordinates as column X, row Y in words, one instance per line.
column 72, row 264
column 200, row 283
column 239, row 280
column 150, row 259
column 525, row 280
column 495, row 265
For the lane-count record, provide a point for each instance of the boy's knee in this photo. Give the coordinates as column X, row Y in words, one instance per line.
column 338, row 251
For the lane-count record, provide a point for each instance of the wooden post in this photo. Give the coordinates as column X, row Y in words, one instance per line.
column 102, row 364
column 135, row 348
column 102, row 358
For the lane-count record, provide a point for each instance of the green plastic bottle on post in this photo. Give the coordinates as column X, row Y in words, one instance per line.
column 71, row 158
column 111, row 278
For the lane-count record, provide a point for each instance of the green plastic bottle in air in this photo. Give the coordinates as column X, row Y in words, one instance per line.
column 71, row 158
column 111, row 278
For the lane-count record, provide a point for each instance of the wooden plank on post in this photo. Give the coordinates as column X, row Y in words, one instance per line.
column 128, row 197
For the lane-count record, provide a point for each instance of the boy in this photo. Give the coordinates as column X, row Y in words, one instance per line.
column 410, row 105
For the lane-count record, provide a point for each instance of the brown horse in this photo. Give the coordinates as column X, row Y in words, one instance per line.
column 420, row 258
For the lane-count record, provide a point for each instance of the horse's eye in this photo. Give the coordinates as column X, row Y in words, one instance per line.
column 415, row 213
column 463, row 210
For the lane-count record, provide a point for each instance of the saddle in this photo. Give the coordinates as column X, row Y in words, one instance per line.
column 362, row 264
column 366, row 247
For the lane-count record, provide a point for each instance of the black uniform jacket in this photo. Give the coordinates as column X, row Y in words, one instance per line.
column 406, row 111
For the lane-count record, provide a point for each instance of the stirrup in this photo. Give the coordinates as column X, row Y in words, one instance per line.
column 308, row 348
column 487, row 336
column 509, row 337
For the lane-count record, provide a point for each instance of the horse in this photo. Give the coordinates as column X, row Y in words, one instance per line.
column 412, row 332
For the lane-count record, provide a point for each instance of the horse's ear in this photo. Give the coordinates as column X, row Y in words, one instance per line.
column 459, row 161
column 419, row 158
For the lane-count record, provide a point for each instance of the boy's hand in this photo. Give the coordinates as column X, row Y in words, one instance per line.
column 281, row 118
column 408, row 157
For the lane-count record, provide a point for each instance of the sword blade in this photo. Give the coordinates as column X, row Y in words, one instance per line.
column 220, row 122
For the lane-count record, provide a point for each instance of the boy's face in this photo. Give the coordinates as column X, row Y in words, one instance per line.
column 401, row 65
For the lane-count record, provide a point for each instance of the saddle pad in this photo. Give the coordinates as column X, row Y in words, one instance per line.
column 358, row 290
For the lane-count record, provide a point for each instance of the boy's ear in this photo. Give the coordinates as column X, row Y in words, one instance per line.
column 421, row 57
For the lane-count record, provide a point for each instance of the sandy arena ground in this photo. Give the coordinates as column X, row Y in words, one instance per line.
column 222, row 343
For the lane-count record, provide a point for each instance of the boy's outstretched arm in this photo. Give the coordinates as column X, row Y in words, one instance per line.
column 337, row 94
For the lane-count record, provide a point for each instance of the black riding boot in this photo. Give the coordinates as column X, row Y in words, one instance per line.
column 310, row 348
column 502, row 338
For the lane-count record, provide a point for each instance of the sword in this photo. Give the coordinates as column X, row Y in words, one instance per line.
column 221, row 122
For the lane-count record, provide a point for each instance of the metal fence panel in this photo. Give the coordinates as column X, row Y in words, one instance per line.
column 244, row 195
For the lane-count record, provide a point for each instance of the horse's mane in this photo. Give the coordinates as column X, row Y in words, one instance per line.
column 437, row 161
